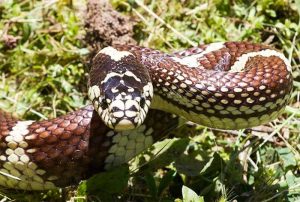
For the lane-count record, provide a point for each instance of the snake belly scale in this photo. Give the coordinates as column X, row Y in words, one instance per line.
column 227, row 85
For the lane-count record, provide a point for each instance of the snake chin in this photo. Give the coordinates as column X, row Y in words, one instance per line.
column 122, row 114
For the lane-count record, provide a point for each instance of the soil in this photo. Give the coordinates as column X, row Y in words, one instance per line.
column 105, row 26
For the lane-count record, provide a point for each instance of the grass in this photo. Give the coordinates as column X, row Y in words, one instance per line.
column 43, row 75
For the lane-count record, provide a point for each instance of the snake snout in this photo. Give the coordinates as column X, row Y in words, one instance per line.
column 124, row 114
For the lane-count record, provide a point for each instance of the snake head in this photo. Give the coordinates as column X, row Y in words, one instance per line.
column 120, row 89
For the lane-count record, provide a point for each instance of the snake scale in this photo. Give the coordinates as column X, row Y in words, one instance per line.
column 228, row 85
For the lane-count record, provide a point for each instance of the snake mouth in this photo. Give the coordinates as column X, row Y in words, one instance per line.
column 124, row 124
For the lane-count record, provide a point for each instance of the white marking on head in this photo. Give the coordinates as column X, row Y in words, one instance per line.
column 240, row 64
column 148, row 90
column 115, row 90
column 121, row 75
column 94, row 92
column 192, row 60
column 117, row 103
column 129, row 113
column 114, row 53
column 118, row 114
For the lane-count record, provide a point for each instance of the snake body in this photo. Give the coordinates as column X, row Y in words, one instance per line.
column 228, row 85
column 62, row 151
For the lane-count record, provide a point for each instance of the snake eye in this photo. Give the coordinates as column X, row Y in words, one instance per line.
column 142, row 102
column 104, row 104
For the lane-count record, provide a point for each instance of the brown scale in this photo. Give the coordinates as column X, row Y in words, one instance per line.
column 213, row 71
column 74, row 146
column 7, row 121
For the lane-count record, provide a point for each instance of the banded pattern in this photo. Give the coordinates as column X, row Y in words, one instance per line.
column 60, row 152
column 229, row 85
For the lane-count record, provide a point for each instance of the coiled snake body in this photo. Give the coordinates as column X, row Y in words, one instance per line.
column 228, row 85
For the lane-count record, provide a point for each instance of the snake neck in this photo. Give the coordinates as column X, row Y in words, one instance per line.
column 230, row 85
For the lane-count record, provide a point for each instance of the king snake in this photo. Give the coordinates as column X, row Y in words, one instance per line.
column 230, row 85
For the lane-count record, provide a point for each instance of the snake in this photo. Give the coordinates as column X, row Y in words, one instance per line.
column 138, row 96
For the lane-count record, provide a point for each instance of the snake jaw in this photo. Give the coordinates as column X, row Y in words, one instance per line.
column 124, row 114
column 128, row 112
